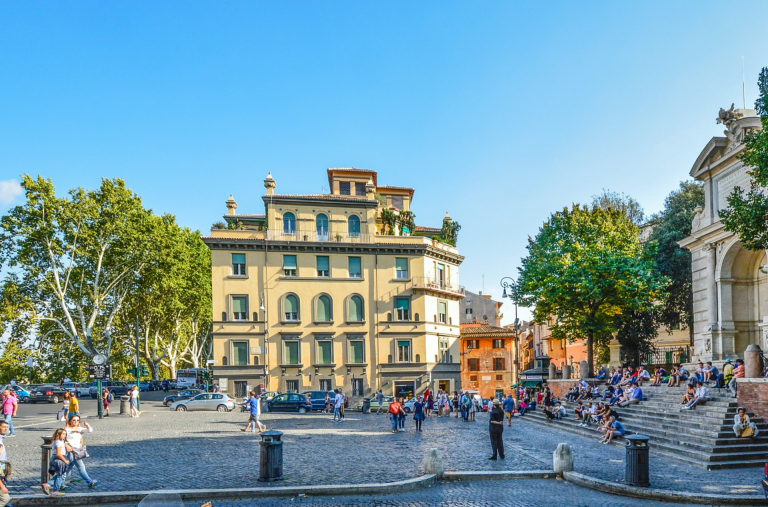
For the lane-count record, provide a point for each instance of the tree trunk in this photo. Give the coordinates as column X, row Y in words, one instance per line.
column 155, row 367
column 590, row 355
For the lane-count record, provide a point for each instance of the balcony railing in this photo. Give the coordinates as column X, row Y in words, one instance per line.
column 429, row 283
column 325, row 237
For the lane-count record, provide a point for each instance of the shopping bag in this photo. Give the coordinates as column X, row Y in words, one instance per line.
column 60, row 415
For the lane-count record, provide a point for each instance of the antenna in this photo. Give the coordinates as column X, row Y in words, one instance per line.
column 743, row 83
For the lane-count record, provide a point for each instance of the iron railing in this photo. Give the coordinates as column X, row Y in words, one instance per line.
column 425, row 282
column 319, row 236
column 670, row 354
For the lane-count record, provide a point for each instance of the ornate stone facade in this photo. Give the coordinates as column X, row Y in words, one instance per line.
column 730, row 292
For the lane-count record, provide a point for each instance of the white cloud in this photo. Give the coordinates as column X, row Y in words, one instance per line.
column 9, row 191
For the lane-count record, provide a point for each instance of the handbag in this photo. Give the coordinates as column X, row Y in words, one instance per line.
column 60, row 415
column 79, row 454
column 748, row 432
column 8, row 469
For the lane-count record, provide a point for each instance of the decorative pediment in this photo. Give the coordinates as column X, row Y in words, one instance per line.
column 713, row 151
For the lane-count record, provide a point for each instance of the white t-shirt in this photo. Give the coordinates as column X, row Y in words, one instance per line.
column 135, row 394
column 55, row 445
column 645, row 374
column 65, row 404
column 339, row 401
column 74, row 436
column 3, row 452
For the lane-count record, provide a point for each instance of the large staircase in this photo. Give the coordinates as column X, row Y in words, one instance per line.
column 702, row 437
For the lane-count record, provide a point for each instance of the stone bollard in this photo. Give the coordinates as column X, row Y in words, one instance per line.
column 552, row 371
column 45, row 460
column 753, row 363
column 433, row 463
column 566, row 371
column 562, row 459
column 584, row 370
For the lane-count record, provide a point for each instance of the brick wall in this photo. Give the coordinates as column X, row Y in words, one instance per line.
column 561, row 387
column 752, row 394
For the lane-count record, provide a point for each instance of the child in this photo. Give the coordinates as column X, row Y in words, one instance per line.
column 59, row 463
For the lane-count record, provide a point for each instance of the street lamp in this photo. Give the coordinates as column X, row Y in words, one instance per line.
column 510, row 290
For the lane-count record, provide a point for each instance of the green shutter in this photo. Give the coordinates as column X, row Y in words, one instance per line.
column 401, row 264
column 403, row 344
column 289, row 261
column 291, row 352
column 356, row 352
column 355, row 309
column 323, row 309
column 441, row 308
column 322, row 263
column 354, row 266
column 240, row 351
column 324, row 348
column 238, row 258
column 402, row 304
column 291, row 305
column 238, row 305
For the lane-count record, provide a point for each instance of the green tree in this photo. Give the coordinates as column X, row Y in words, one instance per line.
column 587, row 267
column 670, row 226
column 72, row 260
column 747, row 213
column 621, row 202
column 450, row 230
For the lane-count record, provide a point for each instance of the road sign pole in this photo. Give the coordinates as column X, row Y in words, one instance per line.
column 99, row 399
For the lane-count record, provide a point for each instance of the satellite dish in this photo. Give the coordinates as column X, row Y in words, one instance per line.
column 99, row 359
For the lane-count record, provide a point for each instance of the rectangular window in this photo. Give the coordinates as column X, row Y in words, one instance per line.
column 403, row 307
column 344, row 188
column 441, row 275
column 498, row 364
column 323, row 268
column 498, row 344
column 401, row 268
column 404, row 351
column 473, row 378
column 325, row 384
column 239, row 308
column 291, row 354
column 473, row 344
column 397, row 201
column 238, row 264
column 356, row 351
column 442, row 310
column 240, row 353
column 355, row 269
column 324, row 351
column 360, row 189
column 444, row 351
column 499, row 377
column 468, row 311
column 289, row 265
column 291, row 386
column 474, row 364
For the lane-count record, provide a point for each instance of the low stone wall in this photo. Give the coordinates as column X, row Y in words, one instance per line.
column 752, row 394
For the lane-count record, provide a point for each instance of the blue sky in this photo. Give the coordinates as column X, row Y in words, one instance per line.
column 497, row 112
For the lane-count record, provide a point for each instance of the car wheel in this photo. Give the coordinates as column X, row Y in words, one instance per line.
column 302, row 410
column 55, row 399
column 25, row 399
column 181, row 408
column 407, row 410
column 221, row 408
column 166, row 403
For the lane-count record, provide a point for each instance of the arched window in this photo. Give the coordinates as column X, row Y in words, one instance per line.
column 353, row 225
column 355, row 310
column 322, row 227
column 291, row 308
column 289, row 223
column 324, row 310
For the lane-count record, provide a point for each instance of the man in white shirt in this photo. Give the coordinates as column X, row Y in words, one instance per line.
column 701, row 396
column 5, row 497
column 337, row 403
column 642, row 375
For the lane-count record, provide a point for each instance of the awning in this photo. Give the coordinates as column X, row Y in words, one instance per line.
column 531, row 383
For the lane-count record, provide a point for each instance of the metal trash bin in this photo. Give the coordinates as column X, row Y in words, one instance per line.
column 124, row 409
column 45, row 460
column 636, row 461
column 271, row 456
column 366, row 405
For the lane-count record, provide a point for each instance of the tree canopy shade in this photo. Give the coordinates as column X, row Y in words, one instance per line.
column 587, row 267
column 747, row 213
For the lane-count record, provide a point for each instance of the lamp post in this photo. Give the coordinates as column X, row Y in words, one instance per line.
column 510, row 291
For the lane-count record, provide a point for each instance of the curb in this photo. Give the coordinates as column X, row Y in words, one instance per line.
column 501, row 475
column 670, row 496
column 77, row 499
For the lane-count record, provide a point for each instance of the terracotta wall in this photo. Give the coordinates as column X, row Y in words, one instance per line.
column 561, row 387
column 752, row 394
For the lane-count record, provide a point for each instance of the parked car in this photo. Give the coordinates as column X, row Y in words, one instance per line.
column 268, row 395
column 116, row 387
column 290, row 402
column 205, row 401
column 181, row 395
column 375, row 404
column 47, row 393
column 78, row 388
column 21, row 393
column 408, row 405
column 317, row 398
column 155, row 385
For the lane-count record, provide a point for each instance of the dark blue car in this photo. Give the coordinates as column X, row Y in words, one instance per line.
column 317, row 398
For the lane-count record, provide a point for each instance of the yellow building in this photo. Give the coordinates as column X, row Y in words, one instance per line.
column 312, row 295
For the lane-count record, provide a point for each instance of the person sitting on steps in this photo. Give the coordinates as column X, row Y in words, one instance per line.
column 636, row 396
column 614, row 428
column 678, row 373
column 713, row 375
column 738, row 372
column 658, row 374
column 642, row 375
column 690, row 392
column 741, row 424
column 701, row 396
column 578, row 410
column 618, row 395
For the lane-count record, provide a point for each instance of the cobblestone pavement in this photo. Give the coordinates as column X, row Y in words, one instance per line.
column 177, row 450
column 514, row 493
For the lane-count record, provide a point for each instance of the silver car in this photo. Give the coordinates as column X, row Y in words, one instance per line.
column 205, row 401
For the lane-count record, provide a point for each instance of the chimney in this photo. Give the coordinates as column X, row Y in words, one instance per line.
column 270, row 184
column 231, row 205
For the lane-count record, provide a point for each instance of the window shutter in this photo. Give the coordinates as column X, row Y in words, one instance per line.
column 238, row 258
column 322, row 263
column 401, row 264
column 289, row 261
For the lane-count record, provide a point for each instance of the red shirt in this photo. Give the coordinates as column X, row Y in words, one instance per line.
column 394, row 408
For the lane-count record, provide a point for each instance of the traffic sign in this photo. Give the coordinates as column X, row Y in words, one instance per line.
column 100, row 371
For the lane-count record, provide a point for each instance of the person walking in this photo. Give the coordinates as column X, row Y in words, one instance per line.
column 134, row 402
column 58, row 465
column 379, row 401
column 429, row 403
column 10, row 407
column 65, row 404
column 394, row 413
column 344, row 403
column 255, row 409
column 418, row 413
column 401, row 417
column 496, row 430
column 5, row 496
column 509, row 408
column 74, row 405
column 76, row 450
column 338, row 402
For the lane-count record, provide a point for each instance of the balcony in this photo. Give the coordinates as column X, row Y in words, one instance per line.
column 321, row 236
column 437, row 286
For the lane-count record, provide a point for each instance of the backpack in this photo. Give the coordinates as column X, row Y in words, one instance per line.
column 110, row 398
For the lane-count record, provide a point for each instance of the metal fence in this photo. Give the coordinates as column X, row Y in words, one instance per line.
column 657, row 357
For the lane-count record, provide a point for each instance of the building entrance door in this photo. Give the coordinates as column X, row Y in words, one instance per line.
column 445, row 385
column 241, row 388
column 325, row 384
column 357, row 387
column 404, row 389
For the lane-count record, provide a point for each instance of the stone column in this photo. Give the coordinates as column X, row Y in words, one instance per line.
column 566, row 371
column 552, row 371
column 584, row 369
column 711, row 250
column 753, row 363
column 562, row 459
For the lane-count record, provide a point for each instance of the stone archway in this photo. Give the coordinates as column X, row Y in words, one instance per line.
column 742, row 294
